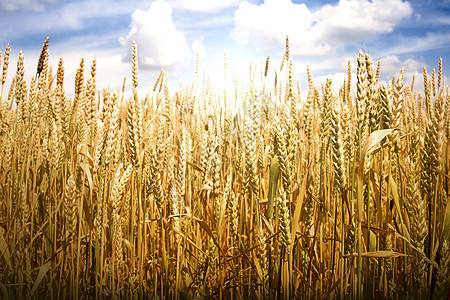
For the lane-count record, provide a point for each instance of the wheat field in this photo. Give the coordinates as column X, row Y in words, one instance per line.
column 252, row 192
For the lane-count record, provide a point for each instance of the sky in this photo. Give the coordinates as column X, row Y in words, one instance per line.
column 323, row 34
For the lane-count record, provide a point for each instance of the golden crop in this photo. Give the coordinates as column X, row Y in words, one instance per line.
column 249, row 193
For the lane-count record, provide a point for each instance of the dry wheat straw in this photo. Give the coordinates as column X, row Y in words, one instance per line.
column 187, row 218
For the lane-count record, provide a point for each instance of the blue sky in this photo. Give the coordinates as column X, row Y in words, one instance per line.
column 324, row 34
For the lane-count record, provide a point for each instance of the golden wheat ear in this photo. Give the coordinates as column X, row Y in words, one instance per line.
column 43, row 57
column 182, row 195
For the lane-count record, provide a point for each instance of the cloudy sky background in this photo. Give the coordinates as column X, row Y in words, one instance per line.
column 324, row 34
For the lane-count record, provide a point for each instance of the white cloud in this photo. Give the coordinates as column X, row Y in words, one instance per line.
column 65, row 15
column 30, row 5
column 75, row 13
column 337, row 80
column 198, row 47
column 444, row 21
column 326, row 30
column 423, row 43
column 351, row 21
column 159, row 43
column 268, row 24
column 391, row 65
column 209, row 6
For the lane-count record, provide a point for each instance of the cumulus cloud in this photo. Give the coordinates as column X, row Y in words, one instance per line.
column 198, row 47
column 160, row 44
column 328, row 29
column 208, row 6
column 392, row 64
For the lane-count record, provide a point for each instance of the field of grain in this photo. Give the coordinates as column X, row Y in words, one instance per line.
column 244, row 193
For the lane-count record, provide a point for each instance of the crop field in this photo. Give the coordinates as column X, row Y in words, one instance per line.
column 258, row 191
